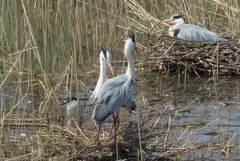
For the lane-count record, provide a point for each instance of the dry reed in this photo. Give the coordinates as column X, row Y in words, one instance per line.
column 48, row 49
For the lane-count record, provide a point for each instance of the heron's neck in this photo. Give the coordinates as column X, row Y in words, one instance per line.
column 130, row 68
column 173, row 27
column 177, row 23
column 102, row 75
column 73, row 104
column 171, row 30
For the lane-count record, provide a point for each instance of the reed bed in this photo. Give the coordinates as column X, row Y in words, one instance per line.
column 49, row 50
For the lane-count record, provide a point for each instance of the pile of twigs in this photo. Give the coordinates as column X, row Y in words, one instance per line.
column 137, row 140
column 164, row 52
column 67, row 143
column 169, row 53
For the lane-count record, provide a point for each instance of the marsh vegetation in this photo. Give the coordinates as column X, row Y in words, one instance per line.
column 185, row 111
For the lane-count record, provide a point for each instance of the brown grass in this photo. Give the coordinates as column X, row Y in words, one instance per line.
column 49, row 50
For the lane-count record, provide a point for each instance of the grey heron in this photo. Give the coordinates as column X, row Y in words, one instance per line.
column 117, row 91
column 104, row 59
column 190, row 32
column 74, row 110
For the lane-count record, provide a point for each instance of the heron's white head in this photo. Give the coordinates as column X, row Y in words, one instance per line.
column 71, row 102
column 176, row 19
column 129, row 44
column 105, row 56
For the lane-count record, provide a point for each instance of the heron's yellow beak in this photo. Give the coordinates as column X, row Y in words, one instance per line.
column 168, row 20
column 110, row 67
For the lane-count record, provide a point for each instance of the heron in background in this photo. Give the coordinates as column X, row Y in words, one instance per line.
column 104, row 59
column 74, row 110
column 190, row 32
column 117, row 91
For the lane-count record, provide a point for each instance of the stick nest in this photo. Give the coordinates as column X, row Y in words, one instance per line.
column 164, row 52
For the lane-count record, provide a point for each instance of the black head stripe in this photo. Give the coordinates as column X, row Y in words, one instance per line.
column 71, row 99
column 74, row 98
column 104, row 52
column 177, row 17
column 132, row 37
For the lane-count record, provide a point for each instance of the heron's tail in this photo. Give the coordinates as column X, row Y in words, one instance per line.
column 101, row 112
column 224, row 37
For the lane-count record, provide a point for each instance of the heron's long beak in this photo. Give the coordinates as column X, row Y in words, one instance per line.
column 168, row 20
column 110, row 67
column 63, row 103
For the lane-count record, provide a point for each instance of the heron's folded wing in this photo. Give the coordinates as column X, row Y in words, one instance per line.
column 114, row 93
column 192, row 32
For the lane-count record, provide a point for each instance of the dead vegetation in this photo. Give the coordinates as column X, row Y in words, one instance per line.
column 163, row 52
column 138, row 139
column 48, row 51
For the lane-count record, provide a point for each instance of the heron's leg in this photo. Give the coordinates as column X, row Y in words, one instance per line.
column 99, row 127
column 80, row 123
column 114, row 123
column 115, row 129
column 118, row 121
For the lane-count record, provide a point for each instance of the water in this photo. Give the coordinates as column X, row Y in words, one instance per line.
column 197, row 112
column 181, row 117
column 201, row 113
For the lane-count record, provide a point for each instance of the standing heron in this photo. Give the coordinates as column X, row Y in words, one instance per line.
column 104, row 59
column 190, row 32
column 74, row 110
column 117, row 91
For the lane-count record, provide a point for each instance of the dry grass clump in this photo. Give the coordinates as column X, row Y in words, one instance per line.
column 172, row 54
column 153, row 138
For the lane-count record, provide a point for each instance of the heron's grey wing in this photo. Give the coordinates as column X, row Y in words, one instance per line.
column 114, row 93
column 81, row 112
column 129, row 105
column 192, row 32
